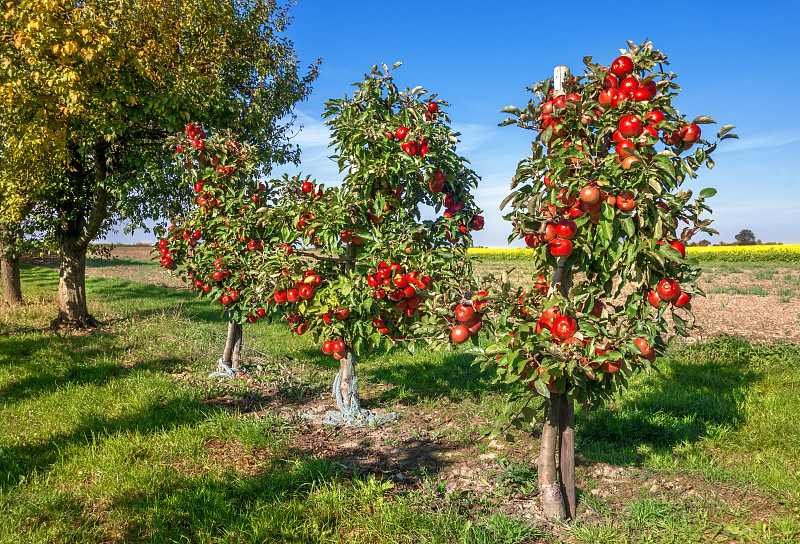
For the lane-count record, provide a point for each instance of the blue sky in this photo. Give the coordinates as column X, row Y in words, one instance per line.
column 736, row 61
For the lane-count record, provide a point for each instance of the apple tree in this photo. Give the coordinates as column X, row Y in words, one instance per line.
column 111, row 80
column 221, row 246
column 603, row 202
column 389, row 242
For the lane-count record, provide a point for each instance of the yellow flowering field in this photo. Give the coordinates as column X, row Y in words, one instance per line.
column 784, row 253
column 787, row 253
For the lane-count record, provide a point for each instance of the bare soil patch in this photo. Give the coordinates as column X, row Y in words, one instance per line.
column 759, row 303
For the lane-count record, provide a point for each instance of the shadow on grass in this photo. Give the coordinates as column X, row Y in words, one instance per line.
column 268, row 507
column 410, row 378
column 450, row 375
column 702, row 389
column 20, row 460
column 96, row 262
column 74, row 367
column 147, row 300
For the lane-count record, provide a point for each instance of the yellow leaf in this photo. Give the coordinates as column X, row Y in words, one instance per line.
column 55, row 49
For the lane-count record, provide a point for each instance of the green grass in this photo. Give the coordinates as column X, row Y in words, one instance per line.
column 116, row 436
column 727, row 409
column 731, row 290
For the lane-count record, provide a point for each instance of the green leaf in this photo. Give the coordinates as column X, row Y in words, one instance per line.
column 703, row 120
column 628, row 226
column 606, row 229
column 724, row 130
column 700, row 154
column 541, row 388
column 507, row 199
column 708, row 193
column 510, row 109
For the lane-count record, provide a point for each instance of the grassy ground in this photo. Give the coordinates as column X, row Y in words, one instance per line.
column 117, row 436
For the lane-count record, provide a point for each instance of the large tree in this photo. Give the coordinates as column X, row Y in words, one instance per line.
column 746, row 238
column 110, row 80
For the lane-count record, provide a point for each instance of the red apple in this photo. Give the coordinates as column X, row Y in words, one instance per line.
column 531, row 240
column 678, row 245
column 564, row 327
column 623, row 148
column 560, row 247
column 668, row 290
column 690, row 133
column 465, row 313
column 622, row 66
column 566, row 228
column 682, row 300
column 630, row 126
column 629, row 84
column 626, row 201
column 590, row 194
column 459, row 334
column 305, row 291
column 654, row 117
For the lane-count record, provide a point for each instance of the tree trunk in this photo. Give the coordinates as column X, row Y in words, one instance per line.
column 72, row 309
column 75, row 233
column 345, row 386
column 12, row 287
column 10, row 242
column 549, row 485
column 9, row 267
column 566, row 450
column 233, row 346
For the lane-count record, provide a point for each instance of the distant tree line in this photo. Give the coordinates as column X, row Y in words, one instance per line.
column 744, row 238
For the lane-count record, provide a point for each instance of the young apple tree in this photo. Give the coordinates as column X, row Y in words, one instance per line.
column 221, row 246
column 601, row 200
column 381, row 271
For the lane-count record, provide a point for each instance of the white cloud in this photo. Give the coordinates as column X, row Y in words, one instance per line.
column 310, row 132
column 473, row 136
column 759, row 141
